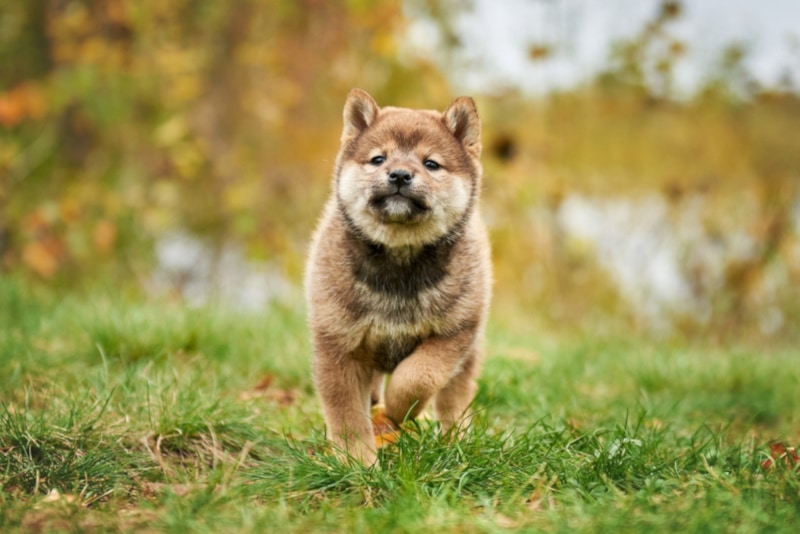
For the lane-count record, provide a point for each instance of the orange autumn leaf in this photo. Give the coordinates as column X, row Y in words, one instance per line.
column 39, row 258
column 24, row 101
column 383, row 428
column 10, row 111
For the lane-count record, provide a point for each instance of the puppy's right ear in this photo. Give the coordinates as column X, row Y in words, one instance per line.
column 360, row 110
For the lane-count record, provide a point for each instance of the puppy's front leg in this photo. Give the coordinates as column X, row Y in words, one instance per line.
column 424, row 373
column 452, row 400
column 343, row 384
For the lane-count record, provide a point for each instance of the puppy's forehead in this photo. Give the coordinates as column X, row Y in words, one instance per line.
column 408, row 129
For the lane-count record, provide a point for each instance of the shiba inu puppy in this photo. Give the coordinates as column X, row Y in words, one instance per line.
column 398, row 279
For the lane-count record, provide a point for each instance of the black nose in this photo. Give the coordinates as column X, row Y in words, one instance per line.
column 401, row 176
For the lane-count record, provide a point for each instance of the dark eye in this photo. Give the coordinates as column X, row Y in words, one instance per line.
column 431, row 165
column 377, row 160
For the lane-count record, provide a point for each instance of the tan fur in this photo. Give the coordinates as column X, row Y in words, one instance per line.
column 398, row 278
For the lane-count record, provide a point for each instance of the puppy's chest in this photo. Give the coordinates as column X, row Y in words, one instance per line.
column 398, row 304
column 395, row 325
column 387, row 347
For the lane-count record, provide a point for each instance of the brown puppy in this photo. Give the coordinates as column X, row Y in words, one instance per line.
column 398, row 279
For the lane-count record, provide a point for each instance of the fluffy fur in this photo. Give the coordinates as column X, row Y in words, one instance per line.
column 398, row 278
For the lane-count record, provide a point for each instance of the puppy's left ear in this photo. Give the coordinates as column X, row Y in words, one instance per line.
column 461, row 118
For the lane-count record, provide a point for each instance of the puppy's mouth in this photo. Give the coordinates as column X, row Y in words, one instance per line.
column 399, row 206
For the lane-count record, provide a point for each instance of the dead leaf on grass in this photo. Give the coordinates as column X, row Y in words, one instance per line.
column 780, row 452
column 265, row 382
column 263, row 390
column 285, row 397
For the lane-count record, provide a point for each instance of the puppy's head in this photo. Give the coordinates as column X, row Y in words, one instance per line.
column 407, row 177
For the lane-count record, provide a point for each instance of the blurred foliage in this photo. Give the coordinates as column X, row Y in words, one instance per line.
column 121, row 121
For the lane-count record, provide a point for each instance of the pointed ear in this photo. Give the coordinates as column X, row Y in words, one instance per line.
column 360, row 110
column 461, row 118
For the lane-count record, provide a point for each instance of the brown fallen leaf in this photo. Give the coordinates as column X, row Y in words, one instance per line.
column 265, row 382
column 779, row 451
column 284, row 397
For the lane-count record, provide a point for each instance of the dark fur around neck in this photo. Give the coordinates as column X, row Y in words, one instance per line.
column 401, row 272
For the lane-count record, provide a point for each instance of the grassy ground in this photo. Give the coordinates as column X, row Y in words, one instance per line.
column 120, row 416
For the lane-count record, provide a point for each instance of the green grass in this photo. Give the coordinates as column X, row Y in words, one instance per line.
column 149, row 416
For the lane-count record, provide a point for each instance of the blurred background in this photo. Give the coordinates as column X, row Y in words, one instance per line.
column 642, row 158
